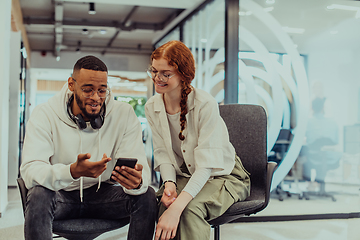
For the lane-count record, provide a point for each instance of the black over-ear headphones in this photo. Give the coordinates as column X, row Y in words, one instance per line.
column 95, row 123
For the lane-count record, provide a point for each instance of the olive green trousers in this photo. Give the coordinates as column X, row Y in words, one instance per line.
column 217, row 195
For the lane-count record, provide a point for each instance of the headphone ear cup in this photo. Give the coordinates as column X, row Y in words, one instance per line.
column 96, row 123
column 80, row 121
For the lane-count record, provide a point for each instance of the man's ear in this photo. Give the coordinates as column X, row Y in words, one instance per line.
column 71, row 84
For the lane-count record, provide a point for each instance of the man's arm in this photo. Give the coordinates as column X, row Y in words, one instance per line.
column 136, row 181
column 38, row 149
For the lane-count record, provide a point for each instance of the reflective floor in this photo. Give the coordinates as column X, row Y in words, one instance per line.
column 11, row 222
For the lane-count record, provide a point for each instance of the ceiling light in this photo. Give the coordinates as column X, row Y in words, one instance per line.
column 345, row 7
column 92, row 8
column 342, row 7
column 268, row 9
column 294, row 30
column 270, row 1
column 247, row 13
column 85, row 31
column 128, row 23
column 78, row 47
column 102, row 31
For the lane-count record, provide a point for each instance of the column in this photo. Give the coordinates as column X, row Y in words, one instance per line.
column 14, row 105
column 5, row 21
column 231, row 83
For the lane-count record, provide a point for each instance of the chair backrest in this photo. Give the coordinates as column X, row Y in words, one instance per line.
column 23, row 192
column 247, row 126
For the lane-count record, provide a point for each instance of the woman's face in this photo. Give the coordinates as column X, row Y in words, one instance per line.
column 165, row 77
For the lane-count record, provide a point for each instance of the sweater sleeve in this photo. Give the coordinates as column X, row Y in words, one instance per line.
column 197, row 181
column 36, row 168
column 167, row 172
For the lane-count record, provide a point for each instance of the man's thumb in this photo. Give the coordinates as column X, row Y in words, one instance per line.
column 84, row 156
column 138, row 167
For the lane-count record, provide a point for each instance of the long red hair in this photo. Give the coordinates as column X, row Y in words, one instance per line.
column 180, row 57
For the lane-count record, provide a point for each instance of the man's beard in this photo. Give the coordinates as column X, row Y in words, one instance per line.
column 81, row 105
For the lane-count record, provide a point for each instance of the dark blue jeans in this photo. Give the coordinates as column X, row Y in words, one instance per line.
column 109, row 202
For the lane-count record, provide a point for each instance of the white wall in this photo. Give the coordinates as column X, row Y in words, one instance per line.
column 5, row 17
column 334, row 65
column 14, row 107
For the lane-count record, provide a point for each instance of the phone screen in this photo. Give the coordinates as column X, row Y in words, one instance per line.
column 128, row 162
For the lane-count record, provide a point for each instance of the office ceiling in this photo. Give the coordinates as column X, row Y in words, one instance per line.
column 123, row 26
column 116, row 26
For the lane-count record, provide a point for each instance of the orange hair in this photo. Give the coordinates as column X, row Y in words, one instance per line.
column 180, row 57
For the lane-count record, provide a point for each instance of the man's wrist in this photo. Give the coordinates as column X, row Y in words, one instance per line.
column 73, row 171
column 140, row 185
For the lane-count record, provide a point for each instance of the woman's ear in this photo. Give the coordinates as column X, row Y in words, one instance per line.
column 71, row 84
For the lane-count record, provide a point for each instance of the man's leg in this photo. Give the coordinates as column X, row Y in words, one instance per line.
column 39, row 213
column 143, row 216
column 111, row 202
column 43, row 206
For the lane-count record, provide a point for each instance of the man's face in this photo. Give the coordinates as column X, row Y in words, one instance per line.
column 86, row 80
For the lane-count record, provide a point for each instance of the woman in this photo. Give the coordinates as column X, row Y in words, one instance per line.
column 202, row 175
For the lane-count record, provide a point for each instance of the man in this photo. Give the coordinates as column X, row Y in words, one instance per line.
column 70, row 149
column 322, row 138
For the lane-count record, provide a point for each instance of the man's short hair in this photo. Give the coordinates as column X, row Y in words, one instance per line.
column 91, row 63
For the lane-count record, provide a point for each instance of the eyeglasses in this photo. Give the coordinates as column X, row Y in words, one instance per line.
column 164, row 77
column 89, row 92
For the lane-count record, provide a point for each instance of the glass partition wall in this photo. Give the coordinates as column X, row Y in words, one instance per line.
column 298, row 59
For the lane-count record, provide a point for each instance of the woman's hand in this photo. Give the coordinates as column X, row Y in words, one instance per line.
column 169, row 194
column 167, row 225
column 169, row 220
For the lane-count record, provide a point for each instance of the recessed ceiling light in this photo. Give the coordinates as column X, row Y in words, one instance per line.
column 294, row 30
column 85, row 31
column 342, row 7
column 247, row 13
column 268, row 9
column 102, row 31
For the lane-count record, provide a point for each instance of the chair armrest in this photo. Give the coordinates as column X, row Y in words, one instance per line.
column 271, row 166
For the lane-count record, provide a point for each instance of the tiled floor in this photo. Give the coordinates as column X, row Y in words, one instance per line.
column 11, row 222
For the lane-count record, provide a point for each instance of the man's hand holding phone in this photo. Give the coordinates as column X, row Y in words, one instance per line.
column 127, row 173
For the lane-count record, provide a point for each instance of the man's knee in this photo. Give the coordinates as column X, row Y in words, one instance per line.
column 148, row 201
column 39, row 197
column 149, row 197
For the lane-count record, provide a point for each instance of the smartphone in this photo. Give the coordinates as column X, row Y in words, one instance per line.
column 128, row 162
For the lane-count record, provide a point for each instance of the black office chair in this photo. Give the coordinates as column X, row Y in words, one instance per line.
column 322, row 161
column 277, row 154
column 247, row 126
column 77, row 229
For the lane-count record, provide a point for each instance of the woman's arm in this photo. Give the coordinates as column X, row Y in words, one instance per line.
column 169, row 221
